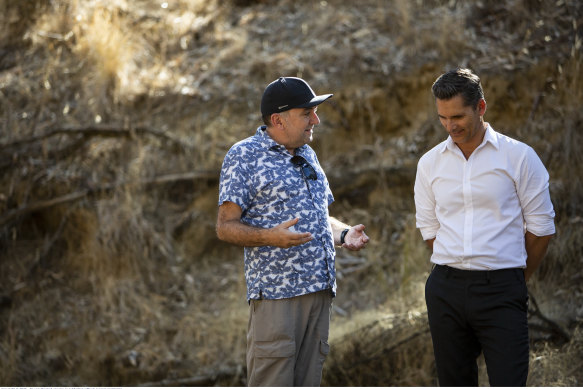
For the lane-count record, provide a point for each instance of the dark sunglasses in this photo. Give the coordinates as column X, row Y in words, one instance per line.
column 307, row 169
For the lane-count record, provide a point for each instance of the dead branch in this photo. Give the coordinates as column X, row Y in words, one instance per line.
column 71, row 197
column 97, row 130
column 549, row 325
column 175, row 177
column 200, row 380
column 392, row 348
column 39, row 205
column 386, row 341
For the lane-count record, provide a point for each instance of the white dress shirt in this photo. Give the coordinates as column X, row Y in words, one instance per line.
column 479, row 209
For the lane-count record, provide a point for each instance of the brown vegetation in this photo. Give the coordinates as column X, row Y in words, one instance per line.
column 114, row 119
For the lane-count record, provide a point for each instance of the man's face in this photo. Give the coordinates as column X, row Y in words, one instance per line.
column 299, row 126
column 463, row 123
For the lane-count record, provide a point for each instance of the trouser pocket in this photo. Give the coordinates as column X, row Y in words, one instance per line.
column 273, row 363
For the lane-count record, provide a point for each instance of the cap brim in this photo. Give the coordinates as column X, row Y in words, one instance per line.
column 315, row 101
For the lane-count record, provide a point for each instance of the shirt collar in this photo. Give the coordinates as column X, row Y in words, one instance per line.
column 489, row 137
column 266, row 141
column 263, row 138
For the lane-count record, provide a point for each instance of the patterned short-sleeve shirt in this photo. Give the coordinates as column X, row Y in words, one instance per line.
column 259, row 177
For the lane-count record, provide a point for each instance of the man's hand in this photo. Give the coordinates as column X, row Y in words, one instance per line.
column 282, row 237
column 232, row 230
column 355, row 238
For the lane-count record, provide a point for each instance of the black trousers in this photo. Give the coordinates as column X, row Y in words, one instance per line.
column 478, row 311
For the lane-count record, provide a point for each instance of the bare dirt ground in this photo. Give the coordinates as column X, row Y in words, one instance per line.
column 115, row 117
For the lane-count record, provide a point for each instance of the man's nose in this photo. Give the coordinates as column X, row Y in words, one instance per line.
column 314, row 119
column 450, row 125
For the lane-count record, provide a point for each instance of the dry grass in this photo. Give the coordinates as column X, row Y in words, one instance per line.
column 129, row 284
column 557, row 366
column 381, row 350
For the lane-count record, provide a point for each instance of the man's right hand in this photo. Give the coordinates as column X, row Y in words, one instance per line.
column 284, row 238
column 232, row 230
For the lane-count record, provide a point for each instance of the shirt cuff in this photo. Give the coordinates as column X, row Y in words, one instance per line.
column 541, row 226
column 428, row 232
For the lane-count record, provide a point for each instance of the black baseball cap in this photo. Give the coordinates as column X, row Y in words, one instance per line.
column 287, row 93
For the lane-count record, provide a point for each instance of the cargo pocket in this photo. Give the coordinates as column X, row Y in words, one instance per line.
column 273, row 363
column 324, row 350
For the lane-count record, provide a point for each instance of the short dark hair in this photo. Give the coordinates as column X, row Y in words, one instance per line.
column 266, row 120
column 459, row 82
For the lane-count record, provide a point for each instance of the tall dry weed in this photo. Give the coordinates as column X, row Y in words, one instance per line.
column 562, row 130
column 108, row 43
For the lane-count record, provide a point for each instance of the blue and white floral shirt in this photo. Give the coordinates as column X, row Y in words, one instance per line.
column 259, row 177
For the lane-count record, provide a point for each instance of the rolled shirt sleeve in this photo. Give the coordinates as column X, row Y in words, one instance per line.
column 426, row 219
column 533, row 192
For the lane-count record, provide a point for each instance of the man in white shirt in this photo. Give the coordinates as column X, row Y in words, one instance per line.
column 483, row 207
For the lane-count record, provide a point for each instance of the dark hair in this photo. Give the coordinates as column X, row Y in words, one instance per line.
column 266, row 120
column 459, row 82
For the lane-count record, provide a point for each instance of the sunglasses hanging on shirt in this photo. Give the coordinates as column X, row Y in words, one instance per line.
column 307, row 169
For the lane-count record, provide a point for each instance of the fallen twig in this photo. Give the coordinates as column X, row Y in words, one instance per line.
column 200, row 380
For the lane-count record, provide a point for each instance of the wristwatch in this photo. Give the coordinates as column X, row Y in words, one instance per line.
column 343, row 235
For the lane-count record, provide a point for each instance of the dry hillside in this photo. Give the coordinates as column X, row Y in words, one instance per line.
column 114, row 119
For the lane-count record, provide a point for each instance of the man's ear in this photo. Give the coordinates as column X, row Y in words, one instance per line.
column 277, row 120
column 481, row 107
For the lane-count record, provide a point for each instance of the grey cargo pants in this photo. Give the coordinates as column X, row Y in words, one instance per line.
column 287, row 340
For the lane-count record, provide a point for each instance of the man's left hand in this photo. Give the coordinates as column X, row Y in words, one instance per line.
column 355, row 238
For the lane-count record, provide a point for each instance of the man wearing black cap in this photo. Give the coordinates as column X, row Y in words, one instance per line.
column 273, row 200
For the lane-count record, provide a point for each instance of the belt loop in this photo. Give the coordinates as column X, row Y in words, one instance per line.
column 488, row 276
